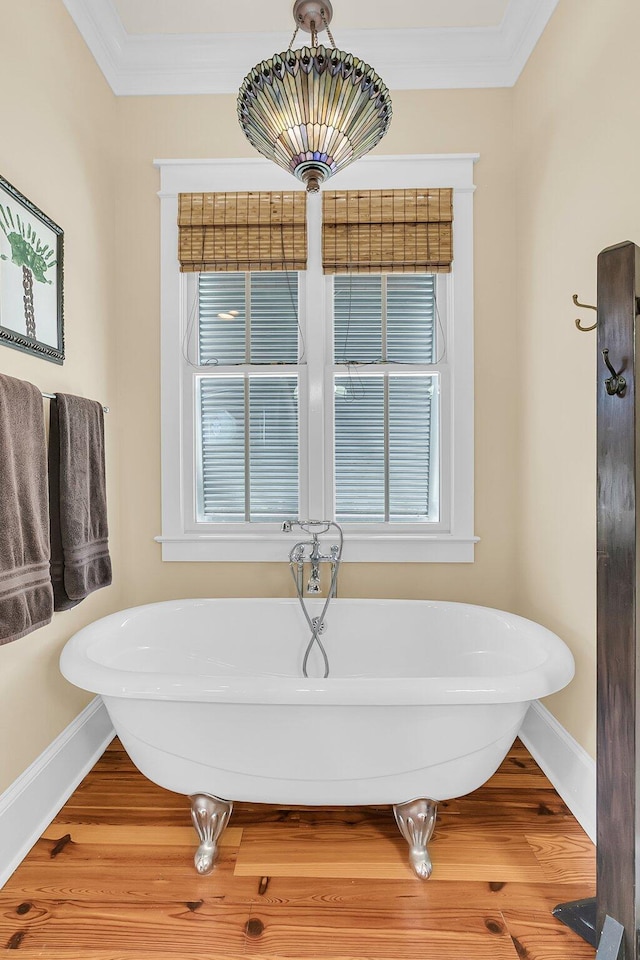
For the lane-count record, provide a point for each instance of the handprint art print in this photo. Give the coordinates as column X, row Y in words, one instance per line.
column 31, row 301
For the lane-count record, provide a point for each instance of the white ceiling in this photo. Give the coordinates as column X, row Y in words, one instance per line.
column 146, row 47
column 214, row 16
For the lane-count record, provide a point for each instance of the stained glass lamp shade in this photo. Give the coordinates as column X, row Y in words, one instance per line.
column 313, row 110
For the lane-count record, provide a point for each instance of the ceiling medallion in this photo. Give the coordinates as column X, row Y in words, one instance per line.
column 314, row 110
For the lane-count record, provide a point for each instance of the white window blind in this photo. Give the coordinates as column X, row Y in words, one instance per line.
column 385, row 430
column 248, row 317
column 384, row 318
column 248, row 421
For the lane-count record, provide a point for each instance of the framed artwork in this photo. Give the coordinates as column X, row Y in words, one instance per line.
column 31, row 300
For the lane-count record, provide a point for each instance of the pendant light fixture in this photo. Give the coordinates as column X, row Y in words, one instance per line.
column 314, row 110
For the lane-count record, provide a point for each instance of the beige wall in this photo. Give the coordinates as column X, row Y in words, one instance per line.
column 577, row 192
column 57, row 126
column 424, row 122
column 556, row 182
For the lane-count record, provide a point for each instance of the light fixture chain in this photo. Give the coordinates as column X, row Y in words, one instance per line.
column 295, row 34
column 326, row 26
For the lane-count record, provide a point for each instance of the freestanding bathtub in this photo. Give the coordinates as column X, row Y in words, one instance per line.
column 423, row 701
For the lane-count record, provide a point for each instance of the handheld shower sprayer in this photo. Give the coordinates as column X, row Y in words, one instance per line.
column 310, row 551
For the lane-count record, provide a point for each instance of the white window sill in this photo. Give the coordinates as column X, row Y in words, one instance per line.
column 358, row 548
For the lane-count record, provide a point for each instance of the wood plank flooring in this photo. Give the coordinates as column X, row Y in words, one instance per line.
column 112, row 878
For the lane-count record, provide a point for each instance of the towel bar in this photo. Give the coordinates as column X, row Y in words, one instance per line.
column 52, row 396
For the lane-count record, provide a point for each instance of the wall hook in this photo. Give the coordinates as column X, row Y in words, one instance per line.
column 615, row 384
column 584, row 306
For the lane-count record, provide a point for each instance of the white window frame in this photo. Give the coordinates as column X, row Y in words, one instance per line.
column 452, row 539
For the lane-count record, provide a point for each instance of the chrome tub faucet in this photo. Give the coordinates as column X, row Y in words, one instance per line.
column 310, row 551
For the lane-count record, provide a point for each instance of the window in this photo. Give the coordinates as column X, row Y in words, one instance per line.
column 246, row 423
column 385, row 422
column 289, row 393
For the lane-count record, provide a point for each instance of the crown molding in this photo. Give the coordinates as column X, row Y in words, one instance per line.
column 166, row 64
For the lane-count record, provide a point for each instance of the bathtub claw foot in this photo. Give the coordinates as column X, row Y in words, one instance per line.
column 416, row 820
column 210, row 816
column 420, row 863
column 204, row 858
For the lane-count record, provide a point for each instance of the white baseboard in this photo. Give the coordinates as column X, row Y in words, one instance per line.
column 567, row 765
column 32, row 801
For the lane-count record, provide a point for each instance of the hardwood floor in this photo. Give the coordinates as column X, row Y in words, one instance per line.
column 113, row 878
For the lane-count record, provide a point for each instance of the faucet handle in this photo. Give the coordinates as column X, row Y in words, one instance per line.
column 297, row 553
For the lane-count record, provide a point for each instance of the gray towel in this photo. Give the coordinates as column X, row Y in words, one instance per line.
column 26, row 598
column 80, row 561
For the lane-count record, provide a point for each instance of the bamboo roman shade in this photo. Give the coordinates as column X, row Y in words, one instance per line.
column 387, row 231
column 242, row 231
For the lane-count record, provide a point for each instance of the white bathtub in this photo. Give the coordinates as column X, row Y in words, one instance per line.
column 424, row 698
